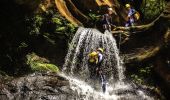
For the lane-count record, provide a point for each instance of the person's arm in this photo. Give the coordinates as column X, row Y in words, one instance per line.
column 129, row 15
column 110, row 18
column 96, row 58
column 107, row 19
column 134, row 11
column 100, row 57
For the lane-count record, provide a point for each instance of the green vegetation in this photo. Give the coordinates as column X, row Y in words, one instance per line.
column 51, row 25
column 143, row 75
column 40, row 64
column 152, row 9
column 95, row 18
column 29, row 30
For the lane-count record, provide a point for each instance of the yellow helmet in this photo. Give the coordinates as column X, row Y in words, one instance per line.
column 100, row 49
column 127, row 5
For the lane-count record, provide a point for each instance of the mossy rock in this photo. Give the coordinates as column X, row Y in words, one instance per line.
column 44, row 67
column 37, row 63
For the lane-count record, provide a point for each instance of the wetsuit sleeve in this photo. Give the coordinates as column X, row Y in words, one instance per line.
column 111, row 22
column 131, row 12
column 107, row 19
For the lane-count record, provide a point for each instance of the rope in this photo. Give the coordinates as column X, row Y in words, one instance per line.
column 119, row 41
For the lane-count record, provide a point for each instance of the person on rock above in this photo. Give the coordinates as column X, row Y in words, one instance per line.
column 132, row 16
column 107, row 19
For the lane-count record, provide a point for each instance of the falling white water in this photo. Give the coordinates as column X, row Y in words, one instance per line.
column 87, row 40
column 119, row 61
column 76, row 65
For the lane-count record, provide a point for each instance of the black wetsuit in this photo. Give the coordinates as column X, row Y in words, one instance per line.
column 107, row 21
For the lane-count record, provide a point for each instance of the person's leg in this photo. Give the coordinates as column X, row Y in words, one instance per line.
column 127, row 23
column 109, row 28
column 103, row 82
column 132, row 22
column 104, row 87
column 104, row 26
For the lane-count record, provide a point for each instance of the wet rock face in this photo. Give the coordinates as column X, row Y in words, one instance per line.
column 36, row 86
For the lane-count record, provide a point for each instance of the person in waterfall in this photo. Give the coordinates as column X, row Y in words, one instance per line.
column 95, row 60
column 132, row 16
column 107, row 19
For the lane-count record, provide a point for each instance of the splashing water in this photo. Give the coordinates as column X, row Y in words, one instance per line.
column 76, row 65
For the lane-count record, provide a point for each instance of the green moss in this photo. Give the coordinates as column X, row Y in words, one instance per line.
column 44, row 67
column 40, row 64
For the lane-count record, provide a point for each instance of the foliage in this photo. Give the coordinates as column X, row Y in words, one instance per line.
column 152, row 9
column 63, row 28
column 51, row 23
column 22, row 45
column 143, row 75
column 37, row 21
column 94, row 17
column 40, row 64
column 57, row 21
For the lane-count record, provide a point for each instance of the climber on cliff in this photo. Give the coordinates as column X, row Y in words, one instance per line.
column 107, row 19
column 95, row 60
column 132, row 16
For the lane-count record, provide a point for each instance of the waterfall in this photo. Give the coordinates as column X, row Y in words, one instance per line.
column 87, row 40
column 78, row 70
